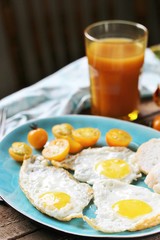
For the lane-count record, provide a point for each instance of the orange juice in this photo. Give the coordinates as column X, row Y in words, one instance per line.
column 114, row 67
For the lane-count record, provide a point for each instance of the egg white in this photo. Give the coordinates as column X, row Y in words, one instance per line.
column 109, row 192
column 38, row 179
column 84, row 163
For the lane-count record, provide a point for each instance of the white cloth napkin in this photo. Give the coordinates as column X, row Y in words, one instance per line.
column 150, row 77
column 64, row 92
column 67, row 92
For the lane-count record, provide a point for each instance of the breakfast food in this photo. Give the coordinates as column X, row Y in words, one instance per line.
column 52, row 190
column 74, row 146
column 110, row 169
column 20, row 151
column 153, row 178
column 148, row 155
column 118, row 137
column 56, row 150
column 77, row 138
column 37, row 137
column 122, row 206
column 62, row 130
column 103, row 162
column 156, row 121
column 87, row 136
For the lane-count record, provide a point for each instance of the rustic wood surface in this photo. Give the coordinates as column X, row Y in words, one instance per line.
column 13, row 225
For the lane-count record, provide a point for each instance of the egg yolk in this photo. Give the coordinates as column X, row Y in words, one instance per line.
column 53, row 200
column 132, row 208
column 113, row 168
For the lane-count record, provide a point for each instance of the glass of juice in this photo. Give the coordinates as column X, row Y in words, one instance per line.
column 115, row 51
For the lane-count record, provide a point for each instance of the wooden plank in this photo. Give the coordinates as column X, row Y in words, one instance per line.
column 9, row 24
column 41, row 34
column 26, row 44
column 70, row 28
column 153, row 21
column 102, row 9
column 8, row 83
column 58, row 40
column 7, row 75
column 47, row 234
column 123, row 10
column 87, row 16
column 13, row 224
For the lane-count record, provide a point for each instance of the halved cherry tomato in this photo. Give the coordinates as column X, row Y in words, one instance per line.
column 118, row 137
column 87, row 137
column 64, row 130
column 37, row 137
column 156, row 122
column 56, row 150
column 20, row 151
column 61, row 130
column 75, row 146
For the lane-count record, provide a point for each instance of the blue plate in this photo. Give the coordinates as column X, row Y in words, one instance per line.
column 9, row 171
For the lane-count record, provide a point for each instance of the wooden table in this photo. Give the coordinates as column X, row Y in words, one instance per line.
column 14, row 225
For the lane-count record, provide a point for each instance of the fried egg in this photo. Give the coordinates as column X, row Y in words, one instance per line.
column 52, row 190
column 103, row 163
column 122, row 206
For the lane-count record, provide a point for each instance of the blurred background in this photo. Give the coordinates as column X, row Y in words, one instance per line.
column 38, row 37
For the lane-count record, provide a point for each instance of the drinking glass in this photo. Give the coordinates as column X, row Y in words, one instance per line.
column 115, row 51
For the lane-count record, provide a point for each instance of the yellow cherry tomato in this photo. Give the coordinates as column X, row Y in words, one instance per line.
column 118, row 137
column 62, row 130
column 156, row 122
column 56, row 150
column 20, row 151
column 37, row 137
column 87, row 137
column 75, row 146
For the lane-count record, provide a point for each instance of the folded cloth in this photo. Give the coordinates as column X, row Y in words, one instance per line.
column 150, row 77
column 66, row 92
